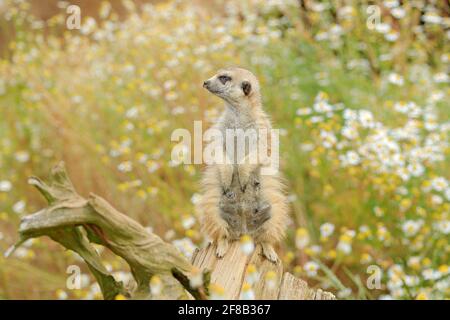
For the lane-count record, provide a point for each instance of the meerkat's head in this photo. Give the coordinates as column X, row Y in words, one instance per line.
column 236, row 86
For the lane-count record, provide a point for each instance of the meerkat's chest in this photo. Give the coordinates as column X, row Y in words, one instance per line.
column 244, row 211
column 238, row 121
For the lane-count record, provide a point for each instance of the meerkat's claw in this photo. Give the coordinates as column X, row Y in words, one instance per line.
column 269, row 252
column 222, row 248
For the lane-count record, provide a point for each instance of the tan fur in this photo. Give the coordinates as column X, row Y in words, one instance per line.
column 241, row 111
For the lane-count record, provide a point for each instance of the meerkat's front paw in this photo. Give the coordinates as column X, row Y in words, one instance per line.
column 222, row 247
column 269, row 252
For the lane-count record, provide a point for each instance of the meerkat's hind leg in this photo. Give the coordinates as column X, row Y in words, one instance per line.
column 223, row 245
column 269, row 252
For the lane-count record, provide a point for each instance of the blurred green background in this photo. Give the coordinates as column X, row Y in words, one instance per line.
column 359, row 89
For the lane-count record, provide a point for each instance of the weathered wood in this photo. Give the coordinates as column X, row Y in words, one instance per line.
column 262, row 289
column 293, row 288
column 230, row 273
column 76, row 223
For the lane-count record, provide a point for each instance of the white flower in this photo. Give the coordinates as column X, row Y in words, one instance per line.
column 441, row 77
column 186, row 246
column 430, row 274
column 383, row 27
column 436, row 96
column 301, row 238
column 155, row 286
column 316, row 119
column 61, row 295
column 436, row 200
column 442, row 285
column 132, row 113
column 378, row 211
column 439, row 184
column 321, row 36
column 328, row 139
column 396, row 79
column 307, row 147
column 178, row 110
column 326, row 229
column 366, row 118
column 411, row 281
column 443, row 226
column 350, row 114
column 196, row 279
column 349, row 132
column 411, row 227
column 432, row 18
column 303, row 111
column 345, row 247
column 311, row 268
column 398, row 12
column 169, row 84
column 344, row 293
column 88, row 26
column 22, row 156
column 85, row 280
column 247, row 245
column 322, row 107
column 391, row 36
column 447, row 194
column 391, row 3
column 5, row 186
column 247, row 292
column 413, row 261
column 19, row 207
column 126, row 166
column 353, row 158
column 416, row 169
column 403, row 173
column 195, row 199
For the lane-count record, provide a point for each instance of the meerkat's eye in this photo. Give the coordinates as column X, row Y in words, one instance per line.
column 224, row 79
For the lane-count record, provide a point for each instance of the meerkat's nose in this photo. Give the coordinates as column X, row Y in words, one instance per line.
column 205, row 84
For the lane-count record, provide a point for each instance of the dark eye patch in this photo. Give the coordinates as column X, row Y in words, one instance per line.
column 224, row 79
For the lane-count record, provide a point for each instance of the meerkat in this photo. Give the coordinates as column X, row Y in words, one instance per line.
column 237, row 199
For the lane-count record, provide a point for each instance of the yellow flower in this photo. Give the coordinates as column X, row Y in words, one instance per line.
column 216, row 291
column 426, row 262
column 331, row 254
column 365, row 258
column 155, row 285
column 405, row 204
column 422, row 296
column 141, row 194
column 443, row 269
column 271, row 279
column 120, row 297
column 247, row 245
column 289, row 257
column 247, row 292
column 190, row 233
column 301, row 238
column 328, row 190
column 298, row 270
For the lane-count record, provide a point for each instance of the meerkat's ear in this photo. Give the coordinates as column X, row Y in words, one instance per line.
column 246, row 87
